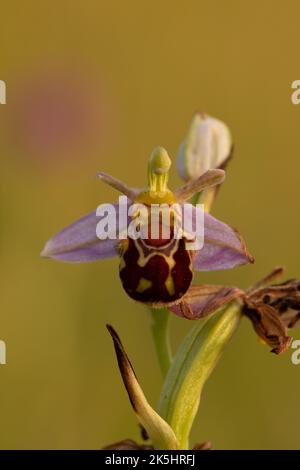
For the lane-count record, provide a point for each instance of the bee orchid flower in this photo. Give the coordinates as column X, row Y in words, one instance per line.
column 159, row 271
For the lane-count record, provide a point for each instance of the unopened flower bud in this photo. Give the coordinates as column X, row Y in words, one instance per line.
column 207, row 146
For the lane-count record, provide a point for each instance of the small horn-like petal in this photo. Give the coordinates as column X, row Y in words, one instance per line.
column 158, row 430
column 79, row 243
column 207, row 180
column 223, row 247
column 275, row 274
column 203, row 300
column 131, row 193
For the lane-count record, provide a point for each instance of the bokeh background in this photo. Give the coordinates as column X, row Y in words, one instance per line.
column 95, row 85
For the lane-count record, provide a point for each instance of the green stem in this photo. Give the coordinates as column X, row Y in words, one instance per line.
column 160, row 332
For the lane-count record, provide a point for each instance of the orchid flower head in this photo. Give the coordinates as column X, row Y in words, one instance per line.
column 157, row 271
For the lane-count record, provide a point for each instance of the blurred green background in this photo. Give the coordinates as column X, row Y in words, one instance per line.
column 95, row 85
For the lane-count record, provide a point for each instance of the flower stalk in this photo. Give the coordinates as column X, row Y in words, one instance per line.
column 160, row 332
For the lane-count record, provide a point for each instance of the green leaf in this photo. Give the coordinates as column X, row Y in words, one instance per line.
column 192, row 365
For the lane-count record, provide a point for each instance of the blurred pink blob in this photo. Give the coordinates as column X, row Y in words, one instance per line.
column 57, row 114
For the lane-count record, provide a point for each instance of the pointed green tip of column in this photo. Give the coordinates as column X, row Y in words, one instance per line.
column 159, row 162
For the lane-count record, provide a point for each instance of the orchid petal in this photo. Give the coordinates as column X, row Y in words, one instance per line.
column 274, row 275
column 131, row 193
column 284, row 298
column 223, row 247
column 79, row 242
column 203, row 300
column 208, row 179
column 268, row 325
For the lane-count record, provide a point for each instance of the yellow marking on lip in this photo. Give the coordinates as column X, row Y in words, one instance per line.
column 123, row 247
column 143, row 285
column 143, row 260
column 170, row 285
